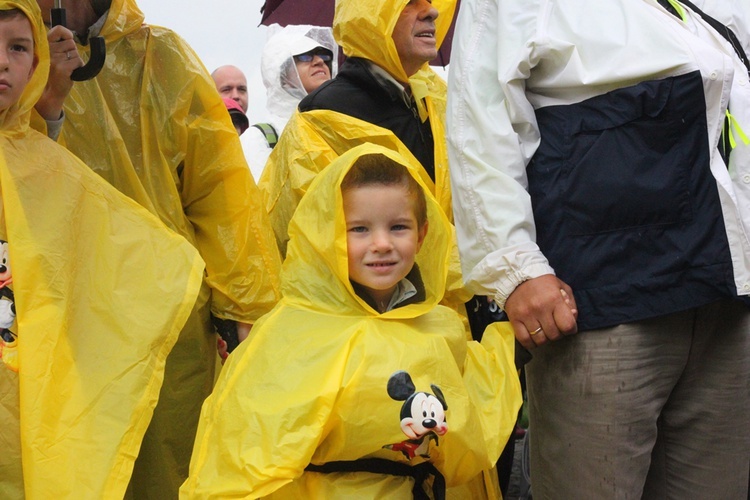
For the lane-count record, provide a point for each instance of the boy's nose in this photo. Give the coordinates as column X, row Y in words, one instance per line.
column 381, row 241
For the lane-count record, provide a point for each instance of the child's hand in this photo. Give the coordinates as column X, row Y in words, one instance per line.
column 64, row 59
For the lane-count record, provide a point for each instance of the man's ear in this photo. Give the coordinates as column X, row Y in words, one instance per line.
column 421, row 235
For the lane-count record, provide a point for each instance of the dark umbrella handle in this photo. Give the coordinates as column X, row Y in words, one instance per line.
column 98, row 51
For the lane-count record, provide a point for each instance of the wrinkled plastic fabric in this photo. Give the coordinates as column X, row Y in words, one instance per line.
column 102, row 289
column 153, row 125
column 310, row 384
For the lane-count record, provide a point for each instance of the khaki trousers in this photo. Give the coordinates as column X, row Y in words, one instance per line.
column 657, row 409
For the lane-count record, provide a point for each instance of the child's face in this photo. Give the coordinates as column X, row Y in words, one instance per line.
column 382, row 237
column 17, row 61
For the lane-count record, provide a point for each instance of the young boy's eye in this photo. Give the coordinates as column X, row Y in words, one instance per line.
column 19, row 48
column 399, row 227
column 358, row 229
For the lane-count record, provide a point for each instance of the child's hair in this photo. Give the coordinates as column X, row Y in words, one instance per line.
column 377, row 168
column 11, row 13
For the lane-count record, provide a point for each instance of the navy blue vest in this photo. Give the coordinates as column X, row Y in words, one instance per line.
column 626, row 208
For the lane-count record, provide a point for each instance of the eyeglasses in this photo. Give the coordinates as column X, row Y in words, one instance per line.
column 324, row 55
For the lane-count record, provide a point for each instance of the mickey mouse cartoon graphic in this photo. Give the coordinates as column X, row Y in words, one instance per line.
column 8, row 351
column 422, row 415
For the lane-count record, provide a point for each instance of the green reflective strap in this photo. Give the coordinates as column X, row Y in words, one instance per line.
column 734, row 128
column 268, row 132
column 680, row 10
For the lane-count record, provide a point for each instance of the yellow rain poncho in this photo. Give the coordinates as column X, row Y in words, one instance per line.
column 153, row 125
column 310, row 385
column 101, row 291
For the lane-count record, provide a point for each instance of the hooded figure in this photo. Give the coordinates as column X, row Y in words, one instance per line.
column 101, row 291
column 267, row 420
column 284, row 88
column 153, row 125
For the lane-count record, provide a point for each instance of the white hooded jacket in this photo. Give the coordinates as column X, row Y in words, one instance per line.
column 284, row 89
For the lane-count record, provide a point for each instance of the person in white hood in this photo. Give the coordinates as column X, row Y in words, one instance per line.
column 296, row 60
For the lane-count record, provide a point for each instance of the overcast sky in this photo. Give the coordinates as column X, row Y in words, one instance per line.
column 221, row 32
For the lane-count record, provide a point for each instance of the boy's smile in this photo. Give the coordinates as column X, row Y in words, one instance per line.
column 382, row 237
column 17, row 61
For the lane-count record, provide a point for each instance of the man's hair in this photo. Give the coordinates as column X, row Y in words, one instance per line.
column 376, row 168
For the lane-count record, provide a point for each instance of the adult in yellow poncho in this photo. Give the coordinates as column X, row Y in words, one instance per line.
column 154, row 126
column 101, row 291
column 310, row 385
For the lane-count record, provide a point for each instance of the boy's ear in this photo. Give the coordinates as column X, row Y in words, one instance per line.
column 421, row 235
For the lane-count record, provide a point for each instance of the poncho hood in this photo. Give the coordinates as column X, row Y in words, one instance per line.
column 123, row 18
column 15, row 119
column 315, row 273
column 358, row 23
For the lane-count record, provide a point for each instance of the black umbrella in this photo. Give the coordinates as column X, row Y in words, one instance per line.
column 320, row 13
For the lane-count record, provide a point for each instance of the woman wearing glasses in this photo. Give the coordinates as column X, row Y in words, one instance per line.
column 296, row 60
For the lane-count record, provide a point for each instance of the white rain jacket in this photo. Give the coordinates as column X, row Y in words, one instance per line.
column 310, row 384
column 550, row 55
column 284, row 89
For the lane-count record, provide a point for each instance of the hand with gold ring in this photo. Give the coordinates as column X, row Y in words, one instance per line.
column 64, row 59
column 542, row 310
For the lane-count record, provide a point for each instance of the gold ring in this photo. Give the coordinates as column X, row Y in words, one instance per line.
column 536, row 331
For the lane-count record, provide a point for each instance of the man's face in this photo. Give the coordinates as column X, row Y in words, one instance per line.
column 414, row 35
column 231, row 83
column 17, row 61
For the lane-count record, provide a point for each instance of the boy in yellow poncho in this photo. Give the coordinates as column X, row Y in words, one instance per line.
column 153, row 125
column 334, row 378
column 100, row 290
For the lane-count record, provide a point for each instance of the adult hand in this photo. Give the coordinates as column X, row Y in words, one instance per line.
column 542, row 309
column 64, row 59
column 243, row 330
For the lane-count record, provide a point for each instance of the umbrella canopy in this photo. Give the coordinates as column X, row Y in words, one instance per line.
column 320, row 13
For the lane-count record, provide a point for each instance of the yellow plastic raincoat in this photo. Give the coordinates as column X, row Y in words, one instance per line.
column 101, row 290
column 310, row 386
column 154, row 126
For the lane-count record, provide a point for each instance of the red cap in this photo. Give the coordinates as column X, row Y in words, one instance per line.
column 235, row 112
